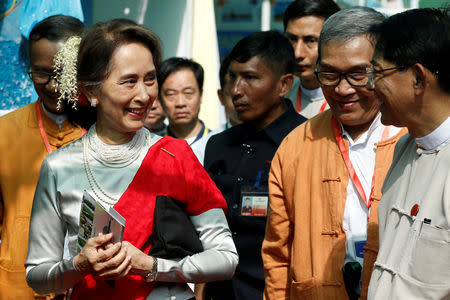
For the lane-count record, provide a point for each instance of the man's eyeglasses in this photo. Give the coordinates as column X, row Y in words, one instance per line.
column 331, row 78
column 40, row 77
column 372, row 74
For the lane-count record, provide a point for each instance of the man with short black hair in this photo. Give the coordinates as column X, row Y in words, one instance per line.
column 412, row 79
column 326, row 176
column 180, row 82
column 239, row 159
column 28, row 135
column 303, row 20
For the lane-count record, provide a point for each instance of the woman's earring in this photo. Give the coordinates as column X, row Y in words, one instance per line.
column 94, row 102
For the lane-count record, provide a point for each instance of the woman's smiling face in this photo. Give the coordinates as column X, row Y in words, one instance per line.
column 126, row 94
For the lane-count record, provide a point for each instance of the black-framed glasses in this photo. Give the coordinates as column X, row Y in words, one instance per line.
column 332, row 78
column 40, row 77
column 372, row 74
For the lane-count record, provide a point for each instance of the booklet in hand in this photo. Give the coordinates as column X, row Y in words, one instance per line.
column 96, row 218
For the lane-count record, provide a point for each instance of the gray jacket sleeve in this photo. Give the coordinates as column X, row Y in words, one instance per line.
column 218, row 261
column 47, row 271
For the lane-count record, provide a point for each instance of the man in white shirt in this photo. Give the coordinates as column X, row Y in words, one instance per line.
column 180, row 82
column 303, row 20
column 326, row 176
column 412, row 79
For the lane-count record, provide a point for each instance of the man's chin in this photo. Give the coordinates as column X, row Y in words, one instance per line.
column 183, row 121
column 306, row 76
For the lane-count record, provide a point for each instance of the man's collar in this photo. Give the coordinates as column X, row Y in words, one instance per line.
column 57, row 118
column 202, row 132
column 365, row 136
column 313, row 95
column 436, row 138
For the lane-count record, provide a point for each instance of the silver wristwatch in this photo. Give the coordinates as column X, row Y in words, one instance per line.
column 151, row 276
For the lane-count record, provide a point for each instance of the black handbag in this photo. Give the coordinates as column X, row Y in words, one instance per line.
column 173, row 235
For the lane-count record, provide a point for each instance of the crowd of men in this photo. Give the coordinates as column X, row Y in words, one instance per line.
column 334, row 160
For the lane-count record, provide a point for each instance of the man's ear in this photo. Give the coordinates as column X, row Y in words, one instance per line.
column 201, row 96
column 422, row 78
column 220, row 95
column 285, row 82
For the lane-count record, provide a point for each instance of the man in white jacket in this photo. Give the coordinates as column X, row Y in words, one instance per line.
column 411, row 76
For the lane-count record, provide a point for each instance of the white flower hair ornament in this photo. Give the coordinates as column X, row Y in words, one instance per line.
column 65, row 66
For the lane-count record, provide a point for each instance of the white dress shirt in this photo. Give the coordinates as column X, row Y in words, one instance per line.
column 362, row 156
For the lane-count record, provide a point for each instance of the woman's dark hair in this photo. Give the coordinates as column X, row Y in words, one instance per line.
column 98, row 45
column 95, row 53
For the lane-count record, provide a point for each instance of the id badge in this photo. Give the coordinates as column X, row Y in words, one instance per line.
column 254, row 204
column 359, row 249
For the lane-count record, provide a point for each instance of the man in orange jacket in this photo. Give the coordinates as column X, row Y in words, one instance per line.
column 326, row 176
column 27, row 136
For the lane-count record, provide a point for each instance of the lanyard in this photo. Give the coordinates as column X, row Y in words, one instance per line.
column 42, row 129
column 299, row 101
column 348, row 163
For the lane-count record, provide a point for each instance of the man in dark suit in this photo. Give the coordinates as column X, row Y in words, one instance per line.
column 238, row 159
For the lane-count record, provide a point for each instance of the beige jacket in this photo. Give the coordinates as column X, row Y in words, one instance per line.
column 414, row 257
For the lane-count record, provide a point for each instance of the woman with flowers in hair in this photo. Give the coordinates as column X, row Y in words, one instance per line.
column 124, row 166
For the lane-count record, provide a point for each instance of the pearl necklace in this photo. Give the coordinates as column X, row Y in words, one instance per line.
column 112, row 156
column 116, row 156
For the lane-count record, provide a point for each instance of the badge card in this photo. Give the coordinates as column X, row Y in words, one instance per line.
column 254, row 204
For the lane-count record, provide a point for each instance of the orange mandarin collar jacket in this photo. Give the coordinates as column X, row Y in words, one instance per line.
column 22, row 151
column 304, row 247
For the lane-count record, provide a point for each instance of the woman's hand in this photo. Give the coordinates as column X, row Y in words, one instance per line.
column 101, row 258
column 141, row 263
